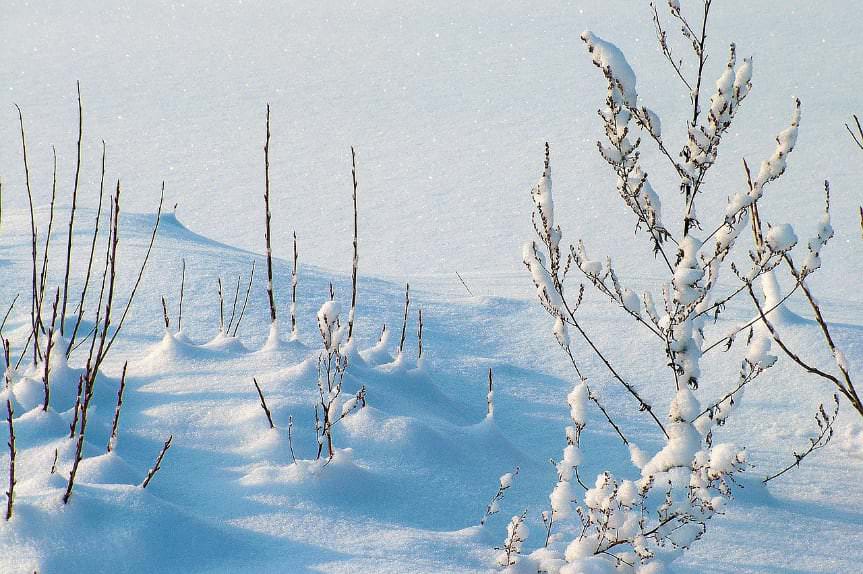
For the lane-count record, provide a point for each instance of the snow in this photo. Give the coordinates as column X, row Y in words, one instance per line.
column 449, row 105
column 611, row 60
column 781, row 237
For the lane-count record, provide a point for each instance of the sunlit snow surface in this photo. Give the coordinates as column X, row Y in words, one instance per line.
column 448, row 107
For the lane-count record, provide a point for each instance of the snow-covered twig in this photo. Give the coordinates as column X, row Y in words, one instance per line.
column 516, row 535
column 332, row 365
column 504, row 484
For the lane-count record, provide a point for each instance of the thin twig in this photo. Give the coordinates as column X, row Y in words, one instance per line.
column 48, row 347
column 294, row 281
column 182, row 292
column 825, row 423
column 460, row 278
column 34, row 300
column 405, row 320
column 158, row 464
column 858, row 137
column 489, row 397
column 72, row 212
column 115, row 424
column 234, row 306
column 267, row 222
column 420, row 334
column 140, row 271
column 43, row 275
column 291, row 437
column 355, row 263
column 70, row 347
column 6, row 316
column 245, row 300
column 264, row 403
column 221, row 308
column 10, row 494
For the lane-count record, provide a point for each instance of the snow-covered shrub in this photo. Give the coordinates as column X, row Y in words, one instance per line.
column 332, row 365
column 516, row 534
column 640, row 523
column 843, row 382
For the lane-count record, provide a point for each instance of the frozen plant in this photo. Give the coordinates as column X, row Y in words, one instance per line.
column 504, row 484
column 641, row 523
column 516, row 534
column 843, row 382
column 332, row 365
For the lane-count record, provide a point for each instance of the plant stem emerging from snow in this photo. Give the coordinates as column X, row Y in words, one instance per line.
column 489, row 398
column 115, row 424
column 77, row 409
column 405, row 320
column 420, row 334
column 267, row 222
column 182, row 293
column 158, row 464
column 48, row 347
column 356, row 253
column 264, row 403
column 221, row 308
column 10, row 494
column 291, row 438
column 246, row 299
column 234, row 306
column 165, row 314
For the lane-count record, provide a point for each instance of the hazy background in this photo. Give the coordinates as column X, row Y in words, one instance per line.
column 448, row 105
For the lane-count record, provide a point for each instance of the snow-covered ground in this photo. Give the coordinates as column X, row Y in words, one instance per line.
column 448, row 106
